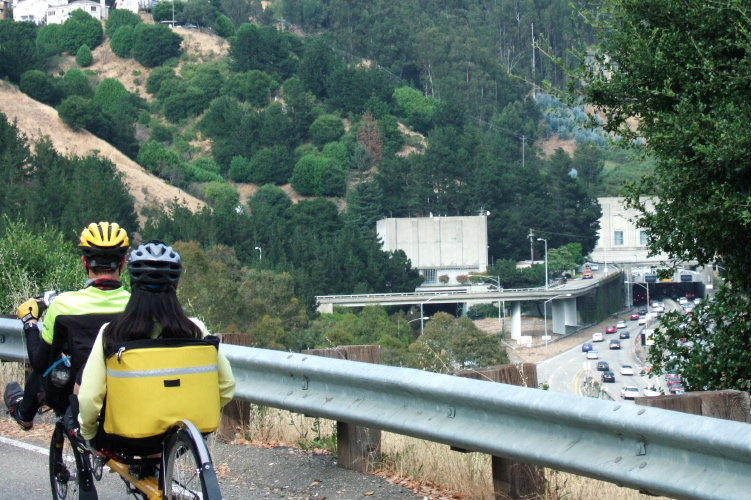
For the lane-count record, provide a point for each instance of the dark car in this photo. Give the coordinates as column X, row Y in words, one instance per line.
column 672, row 379
column 608, row 377
column 624, row 334
column 603, row 366
column 586, row 347
column 642, row 311
column 610, row 329
column 615, row 344
column 676, row 388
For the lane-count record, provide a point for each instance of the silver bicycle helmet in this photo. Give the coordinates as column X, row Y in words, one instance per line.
column 154, row 266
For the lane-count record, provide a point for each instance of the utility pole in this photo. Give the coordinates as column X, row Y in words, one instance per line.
column 531, row 237
column 523, row 139
column 533, row 61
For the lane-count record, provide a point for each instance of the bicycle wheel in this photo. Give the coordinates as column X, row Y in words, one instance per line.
column 188, row 471
column 63, row 468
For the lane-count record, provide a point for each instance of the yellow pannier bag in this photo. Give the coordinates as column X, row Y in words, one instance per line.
column 153, row 384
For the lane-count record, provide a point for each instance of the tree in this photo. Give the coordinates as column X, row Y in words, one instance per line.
column 108, row 95
column 75, row 82
column 155, row 43
column 674, row 68
column 163, row 11
column 80, row 29
column 224, row 26
column 84, row 57
column 369, row 137
column 327, row 128
column 118, row 18
column 121, row 42
column 80, row 113
column 40, row 86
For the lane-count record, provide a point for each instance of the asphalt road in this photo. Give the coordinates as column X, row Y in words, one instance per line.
column 246, row 472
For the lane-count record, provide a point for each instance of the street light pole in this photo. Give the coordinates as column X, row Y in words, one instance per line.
column 260, row 255
column 545, row 312
column 546, row 261
column 422, row 316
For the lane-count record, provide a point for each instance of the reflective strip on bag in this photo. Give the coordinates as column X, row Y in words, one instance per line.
column 189, row 370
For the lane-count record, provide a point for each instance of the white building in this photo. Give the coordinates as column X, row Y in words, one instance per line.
column 437, row 246
column 56, row 11
column 57, row 14
column 620, row 240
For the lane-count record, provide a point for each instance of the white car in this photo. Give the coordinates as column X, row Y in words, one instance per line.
column 651, row 391
column 593, row 355
column 621, row 324
column 597, row 337
column 627, row 370
column 629, row 392
column 594, row 267
column 682, row 300
column 642, row 320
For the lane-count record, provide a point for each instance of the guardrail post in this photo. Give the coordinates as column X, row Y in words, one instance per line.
column 358, row 448
column 512, row 479
column 727, row 405
column 236, row 414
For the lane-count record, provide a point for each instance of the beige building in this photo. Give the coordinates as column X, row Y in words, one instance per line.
column 620, row 240
column 438, row 246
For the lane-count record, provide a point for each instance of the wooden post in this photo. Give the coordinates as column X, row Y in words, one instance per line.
column 358, row 448
column 512, row 479
column 727, row 405
column 236, row 414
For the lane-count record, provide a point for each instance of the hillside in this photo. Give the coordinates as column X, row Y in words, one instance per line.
column 38, row 120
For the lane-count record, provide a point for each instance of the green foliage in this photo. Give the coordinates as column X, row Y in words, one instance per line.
column 319, row 176
column 40, row 86
column 157, row 77
column 118, row 18
column 76, row 82
column 416, row 108
column 566, row 258
column 18, row 51
column 270, row 165
column 224, row 26
column 80, row 113
column 325, row 129
column 266, row 49
column 253, row 86
column 194, row 173
column 154, row 44
column 448, row 344
column 44, row 188
column 48, row 40
column 34, row 261
column 108, row 95
column 154, row 157
column 80, row 29
column 162, row 11
column 121, row 42
column 84, row 57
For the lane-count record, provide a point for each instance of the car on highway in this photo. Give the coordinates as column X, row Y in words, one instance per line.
column 593, row 355
column 594, row 267
column 627, row 370
column 586, row 346
column 651, row 391
column 642, row 311
column 676, row 388
column 597, row 337
column 603, row 366
column 672, row 378
column 608, row 376
column 634, row 317
column 624, row 334
column 610, row 329
column 643, row 320
column 629, row 392
column 621, row 324
column 682, row 300
column 659, row 309
column 615, row 344
column 697, row 301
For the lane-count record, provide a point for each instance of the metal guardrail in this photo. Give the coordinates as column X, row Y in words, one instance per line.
column 652, row 450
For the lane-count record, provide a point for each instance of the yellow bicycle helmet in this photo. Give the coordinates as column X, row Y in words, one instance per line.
column 104, row 244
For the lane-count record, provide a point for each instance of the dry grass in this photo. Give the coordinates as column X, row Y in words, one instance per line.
column 416, row 463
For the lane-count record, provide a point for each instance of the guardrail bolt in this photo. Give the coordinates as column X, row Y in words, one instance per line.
column 450, row 412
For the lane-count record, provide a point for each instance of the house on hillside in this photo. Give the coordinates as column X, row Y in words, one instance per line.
column 58, row 14
column 56, row 11
column 135, row 6
column 4, row 9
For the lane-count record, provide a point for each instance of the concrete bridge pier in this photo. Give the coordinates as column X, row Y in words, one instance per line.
column 563, row 314
column 516, row 321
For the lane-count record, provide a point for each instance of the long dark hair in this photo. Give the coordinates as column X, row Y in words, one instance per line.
column 147, row 311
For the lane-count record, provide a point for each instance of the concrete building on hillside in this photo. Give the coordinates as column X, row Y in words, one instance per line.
column 620, row 240
column 5, row 9
column 56, row 11
column 438, row 246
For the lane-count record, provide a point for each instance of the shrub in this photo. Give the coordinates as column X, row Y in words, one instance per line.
column 75, row 82
column 224, row 26
column 325, row 129
column 84, row 57
column 462, row 279
column 154, row 44
column 121, row 42
column 159, row 75
column 80, row 29
column 109, row 94
column 444, row 278
column 40, row 86
column 119, row 18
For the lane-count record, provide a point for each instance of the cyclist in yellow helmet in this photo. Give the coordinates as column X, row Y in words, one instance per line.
column 59, row 351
